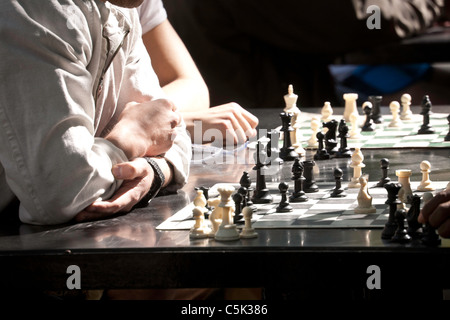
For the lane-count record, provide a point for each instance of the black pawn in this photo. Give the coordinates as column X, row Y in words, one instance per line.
column 310, row 183
column 400, row 235
column 343, row 151
column 297, row 175
column 368, row 124
column 284, row 205
column 376, row 110
column 338, row 191
column 414, row 227
column 247, row 183
column 261, row 193
column 426, row 112
column 447, row 137
column 287, row 152
column 429, row 236
column 321, row 153
column 238, row 199
column 384, row 164
column 391, row 225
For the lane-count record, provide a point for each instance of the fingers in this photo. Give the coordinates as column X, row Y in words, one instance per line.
column 431, row 205
column 130, row 170
column 437, row 213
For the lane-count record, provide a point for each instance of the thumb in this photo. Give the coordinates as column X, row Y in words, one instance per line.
column 129, row 170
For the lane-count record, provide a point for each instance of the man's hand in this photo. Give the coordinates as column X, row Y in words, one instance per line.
column 437, row 213
column 229, row 119
column 146, row 129
column 137, row 178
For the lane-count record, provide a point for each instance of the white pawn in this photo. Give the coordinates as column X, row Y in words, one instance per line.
column 355, row 131
column 315, row 126
column 357, row 165
column 227, row 230
column 327, row 112
column 350, row 105
column 406, row 110
column 364, row 198
column 425, row 184
column 395, row 108
column 248, row 231
column 200, row 230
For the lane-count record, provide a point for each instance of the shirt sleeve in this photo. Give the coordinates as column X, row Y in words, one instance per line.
column 53, row 163
column 151, row 14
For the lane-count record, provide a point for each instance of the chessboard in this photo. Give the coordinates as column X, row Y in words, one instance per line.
column 320, row 211
column 385, row 137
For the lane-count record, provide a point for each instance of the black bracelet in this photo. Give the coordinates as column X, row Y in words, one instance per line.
column 158, row 182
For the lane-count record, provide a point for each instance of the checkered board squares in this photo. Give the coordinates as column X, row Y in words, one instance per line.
column 320, row 211
column 384, row 136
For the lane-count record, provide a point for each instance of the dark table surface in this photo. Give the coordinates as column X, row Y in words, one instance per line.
column 127, row 251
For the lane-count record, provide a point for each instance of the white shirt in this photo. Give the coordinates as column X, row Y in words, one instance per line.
column 151, row 14
column 57, row 103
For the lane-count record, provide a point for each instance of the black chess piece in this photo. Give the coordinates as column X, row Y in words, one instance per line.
column 287, row 152
column 297, row 175
column 310, row 183
column 376, row 110
column 384, row 164
column 321, row 153
column 238, row 199
column 338, row 191
column 343, row 151
column 247, row 183
column 330, row 136
column 447, row 137
column 414, row 226
column 401, row 235
column 369, row 125
column 273, row 152
column 390, row 227
column 261, row 193
column 426, row 128
column 284, row 205
column 429, row 236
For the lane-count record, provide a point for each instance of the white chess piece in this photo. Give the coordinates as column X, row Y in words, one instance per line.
column 315, row 126
column 406, row 110
column 425, row 184
column 404, row 178
column 215, row 217
column 394, row 106
column 350, row 105
column 355, row 131
column 200, row 201
column 248, row 231
column 291, row 107
column 227, row 230
column 326, row 112
column 357, row 165
column 200, row 230
column 364, row 198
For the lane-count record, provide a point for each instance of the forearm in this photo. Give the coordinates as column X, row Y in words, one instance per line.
column 188, row 94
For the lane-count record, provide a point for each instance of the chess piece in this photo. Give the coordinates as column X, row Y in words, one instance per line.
column 200, row 230
column 350, row 105
column 406, row 113
column 368, row 124
column 238, row 200
column 390, row 227
column 343, row 151
column 355, row 132
column 261, row 193
column 310, row 183
column 248, row 231
column 338, row 191
column 215, row 218
column 247, row 184
column 404, row 178
column 330, row 136
column 376, row 110
column 447, row 137
column 364, row 198
column 291, row 108
column 425, row 183
column 384, row 164
column 290, row 100
column 312, row 141
column 429, row 235
column 401, row 235
column 426, row 112
column 200, row 201
column 357, row 165
column 284, row 205
column 395, row 108
column 414, row 227
column 227, row 230
column 273, row 152
column 297, row 175
column 287, row 152
column 326, row 112
column 321, row 153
